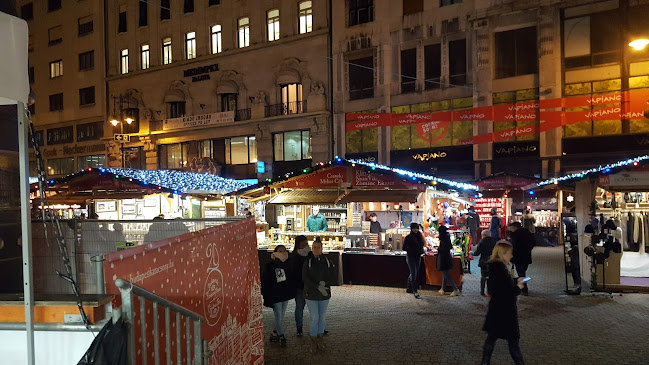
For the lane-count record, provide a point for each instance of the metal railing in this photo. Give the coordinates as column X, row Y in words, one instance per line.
column 201, row 353
column 294, row 107
column 242, row 114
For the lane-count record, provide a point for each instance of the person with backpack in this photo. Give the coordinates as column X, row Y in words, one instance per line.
column 318, row 275
column 277, row 288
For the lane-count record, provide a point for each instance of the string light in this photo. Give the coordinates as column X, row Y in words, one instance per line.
column 181, row 181
column 607, row 168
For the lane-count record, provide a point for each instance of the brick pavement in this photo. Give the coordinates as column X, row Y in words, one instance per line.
column 379, row 325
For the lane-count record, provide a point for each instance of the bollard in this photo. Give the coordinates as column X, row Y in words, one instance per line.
column 99, row 266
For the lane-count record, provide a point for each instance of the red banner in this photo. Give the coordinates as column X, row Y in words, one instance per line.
column 332, row 177
column 213, row 272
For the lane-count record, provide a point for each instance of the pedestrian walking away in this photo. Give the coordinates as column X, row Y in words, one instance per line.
column 523, row 243
column 413, row 244
column 496, row 224
column 484, row 250
column 445, row 260
column 502, row 314
column 318, row 275
column 300, row 253
column 529, row 221
column 277, row 288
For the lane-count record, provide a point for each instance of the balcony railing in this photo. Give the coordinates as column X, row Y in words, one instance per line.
column 361, row 93
column 295, row 107
column 242, row 114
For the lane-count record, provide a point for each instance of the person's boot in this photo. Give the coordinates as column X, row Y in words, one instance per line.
column 299, row 332
column 274, row 337
column 282, row 341
column 409, row 287
column 483, row 283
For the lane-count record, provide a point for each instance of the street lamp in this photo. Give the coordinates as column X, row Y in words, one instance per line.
column 115, row 121
column 639, row 44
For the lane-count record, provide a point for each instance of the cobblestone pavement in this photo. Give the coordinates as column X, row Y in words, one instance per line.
column 379, row 325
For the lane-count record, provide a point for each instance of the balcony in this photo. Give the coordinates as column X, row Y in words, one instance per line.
column 242, row 114
column 361, row 93
column 295, row 107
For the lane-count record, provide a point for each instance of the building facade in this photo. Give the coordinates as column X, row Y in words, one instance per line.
column 413, row 56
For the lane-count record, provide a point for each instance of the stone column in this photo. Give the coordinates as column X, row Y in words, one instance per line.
column 151, row 152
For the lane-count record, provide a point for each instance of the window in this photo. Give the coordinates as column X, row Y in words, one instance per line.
column 56, row 69
column 60, row 166
column 90, row 131
column 85, row 25
column 86, row 60
column 60, row 135
column 292, row 99
column 305, row 14
column 30, row 72
column 176, row 109
column 87, row 95
column 84, row 162
column 188, row 6
column 360, row 11
column 214, row 2
column 55, row 35
column 123, row 62
column 433, row 66
column 56, row 102
column 457, row 62
column 516, row 52
column 273, row 24
column 38, row 135
column 166, row 51
column 292, row 146
column 244, row 32
column 362, row 141
column 185, row 155
column 591, row 40
column 190, row 45
column 216, row 38
column 143, row 20
column 144, row 57
column 165, row 10
column 27, row 11
column 53, row 5
column 408, row 70
column 240, row 150
column 361, row 78
column 229, row 102
column 449, row 2
column 413, row 6
column 171, row 156
column 121, row 25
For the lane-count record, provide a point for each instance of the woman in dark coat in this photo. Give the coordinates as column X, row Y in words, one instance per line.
column 502, row 315
column 300, row 253
column 445, row 260
column 277, row 288
column 413, row 244
column 496, row 224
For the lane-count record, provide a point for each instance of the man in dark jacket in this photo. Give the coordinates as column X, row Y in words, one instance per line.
column 523, row 242
column 413, row 244
column 484, row 250
column 473, row 222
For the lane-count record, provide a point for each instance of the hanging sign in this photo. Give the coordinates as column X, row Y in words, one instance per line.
column 323, row 178
column 198, row 120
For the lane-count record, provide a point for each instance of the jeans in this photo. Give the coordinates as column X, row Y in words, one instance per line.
column 317, row 311
column 446, row 278
column 514, row 350
column 413, row 265
column 279, row 309
column 299, row 308
column 521, row 269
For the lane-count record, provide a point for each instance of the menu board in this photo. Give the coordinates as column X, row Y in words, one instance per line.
column 483, row 208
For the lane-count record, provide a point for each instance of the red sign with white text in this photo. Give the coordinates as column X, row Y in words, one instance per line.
column 332, row 177
column 483, row 207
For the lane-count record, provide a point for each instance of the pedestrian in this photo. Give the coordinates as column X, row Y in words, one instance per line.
column 445, row 260
column 300, row 253
column 318, row 275
column 473, row 222
column 484, row 250
column 523, row 243
column 278, row 287
column 529, row 221
column 502, row 314
column 247, row 212
column 413, row 244
column 496, row 224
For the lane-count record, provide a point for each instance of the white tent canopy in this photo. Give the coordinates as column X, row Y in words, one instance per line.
column 14, row 79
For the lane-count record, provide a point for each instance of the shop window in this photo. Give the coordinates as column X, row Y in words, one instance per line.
column 362, row 141
column 90, row 131
column 449, row 2
column 85, row 26
column 457, row 62
column 229, row 102
column 184, row 155
column 121, row 24
column 143, row 16
column 433, row 66
column 188, row 6
column 123, row 62
column 292, row 146
column 56, row 69
column 412, row 6
column 56, row 102
column 84, row 162
column 591, row 40
column 305, row 14
column 214, row 2
column 408, row 70
column 597, row 127
column 292, row 99
column 244, row 32
column 86, row 60
column 27, row 11
column 55, row 35
column 60, row 135
column 516, row 52
column 176, row 109
column 166, row 51
column 134, row 158
column 53, row 5
column 171, row 156
column 240, row 150
column 526, row 97
column 190, row 45
column 273, row 24
column 360, row 11
column 165, row 10
column 145, row 57
column 361, row 78
column 216, row 39
column 87, row 96
column 30, row 72
column 60, row 166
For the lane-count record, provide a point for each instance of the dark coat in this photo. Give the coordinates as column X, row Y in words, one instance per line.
column 444, row 255
column 413, row 245
column 314, row 271
column 502, row 315
column 375, row 227
column 473, row 221
column 298, row 263
column 494, row 227
column 523, row 243
column 484, row 250
column 278, row 282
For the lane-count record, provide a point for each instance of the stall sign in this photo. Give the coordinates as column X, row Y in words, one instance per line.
column 198, row 120
column 483, row 208
column 503, row 182
column 324, row 178
column 633, row 178
column 368, row 179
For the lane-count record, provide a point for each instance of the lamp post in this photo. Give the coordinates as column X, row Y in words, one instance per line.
column 115, row 121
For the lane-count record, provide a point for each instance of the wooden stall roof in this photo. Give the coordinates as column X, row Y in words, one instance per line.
column 382, row 195
column 306, row 196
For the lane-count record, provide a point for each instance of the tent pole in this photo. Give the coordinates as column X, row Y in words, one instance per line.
column 26, row 227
